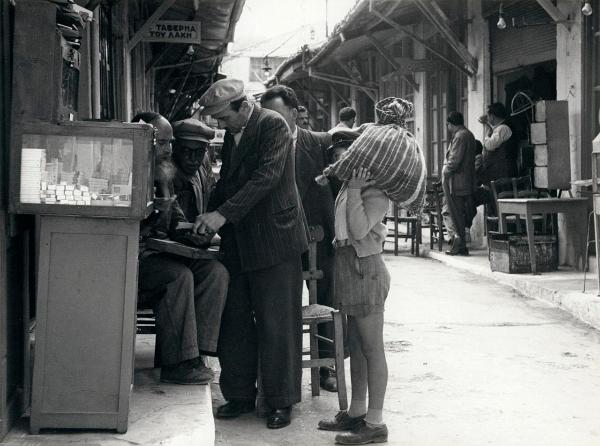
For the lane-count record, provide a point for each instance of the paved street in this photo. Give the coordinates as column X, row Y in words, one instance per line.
column 471, row 363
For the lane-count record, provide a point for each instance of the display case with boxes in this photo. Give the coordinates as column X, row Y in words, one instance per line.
column 90, row 184
column 92, row 169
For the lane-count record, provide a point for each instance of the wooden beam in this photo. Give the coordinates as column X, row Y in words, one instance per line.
column 386, row 13
column 349, row 72
column 407, row 31
column 369, row 91
column 436, row 16
column 337, row 93
column 379, row 47
column 319, row 105
column 137, row 37
column 168, row 47
column 556, row 14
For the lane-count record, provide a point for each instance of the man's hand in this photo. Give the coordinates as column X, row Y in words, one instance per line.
column 209, row 223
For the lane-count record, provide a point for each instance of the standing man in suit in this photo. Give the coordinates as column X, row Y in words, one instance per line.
column 458, row 180
column 318, row 203
column 255, row 208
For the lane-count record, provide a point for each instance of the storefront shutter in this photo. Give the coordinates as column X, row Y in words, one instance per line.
column 531, row 40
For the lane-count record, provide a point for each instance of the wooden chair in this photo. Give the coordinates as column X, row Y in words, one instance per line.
column 146, row 320
column 433, row 210
column 314, row 314
column 413, row 229
column 520, row 187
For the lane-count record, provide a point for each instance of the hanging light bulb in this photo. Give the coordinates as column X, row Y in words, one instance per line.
column 501, row 22
column 587, row 9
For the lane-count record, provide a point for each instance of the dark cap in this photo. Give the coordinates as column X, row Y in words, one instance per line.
column 455, row 118
column 192, row 129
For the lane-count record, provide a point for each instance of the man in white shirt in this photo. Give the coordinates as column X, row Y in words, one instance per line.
column 498, row 159
column 347, row 120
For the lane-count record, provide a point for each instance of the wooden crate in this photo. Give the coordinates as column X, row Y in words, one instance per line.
column 509, row 253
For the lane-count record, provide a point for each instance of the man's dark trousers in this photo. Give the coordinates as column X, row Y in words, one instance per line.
column 273, row 297
column 461, row 209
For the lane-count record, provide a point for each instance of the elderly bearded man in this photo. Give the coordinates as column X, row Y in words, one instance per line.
column 263, row 234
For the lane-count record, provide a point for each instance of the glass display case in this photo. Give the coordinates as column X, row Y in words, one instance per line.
column 90, row 168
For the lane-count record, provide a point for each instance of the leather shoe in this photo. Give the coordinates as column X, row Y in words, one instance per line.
column 458, row 252
column 364, row 433
column 233, row 409
column 341, row 422
column 279, row 418
column 327, row 380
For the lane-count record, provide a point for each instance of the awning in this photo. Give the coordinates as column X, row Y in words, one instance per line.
column 183, row 71
column 368, row 21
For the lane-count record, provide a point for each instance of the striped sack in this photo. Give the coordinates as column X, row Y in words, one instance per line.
column 393, row 158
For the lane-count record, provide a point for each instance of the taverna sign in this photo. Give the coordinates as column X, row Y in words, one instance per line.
column 173, row 31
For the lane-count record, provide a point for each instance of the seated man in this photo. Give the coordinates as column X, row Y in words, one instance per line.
column 194, row 179
column 188, row 296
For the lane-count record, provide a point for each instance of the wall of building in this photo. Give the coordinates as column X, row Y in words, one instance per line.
column 569, row 86
column 479, row 95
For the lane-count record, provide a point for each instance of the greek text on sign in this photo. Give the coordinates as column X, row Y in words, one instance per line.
column 173, row 31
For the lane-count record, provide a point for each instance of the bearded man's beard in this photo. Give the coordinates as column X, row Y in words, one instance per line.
column 164, row 172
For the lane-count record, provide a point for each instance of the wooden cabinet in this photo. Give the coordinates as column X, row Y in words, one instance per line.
column 85, row 331
column 550, row 137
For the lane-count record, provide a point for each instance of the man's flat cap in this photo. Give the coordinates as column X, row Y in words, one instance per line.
column 220, row 94
column 192, row 129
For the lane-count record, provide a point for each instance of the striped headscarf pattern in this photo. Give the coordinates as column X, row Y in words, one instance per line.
column 395, row 161
column 394, row 111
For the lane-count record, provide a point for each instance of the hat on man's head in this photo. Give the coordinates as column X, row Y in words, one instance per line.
column 192, row 129
column 220, row 94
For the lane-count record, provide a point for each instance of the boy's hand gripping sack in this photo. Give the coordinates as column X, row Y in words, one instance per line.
column 391, row 154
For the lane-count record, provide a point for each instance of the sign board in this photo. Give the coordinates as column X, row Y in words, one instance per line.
column 173, row 31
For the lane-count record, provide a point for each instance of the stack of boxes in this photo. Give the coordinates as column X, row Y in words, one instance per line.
column 64, row 193
column 550, row 137
column 33, row 162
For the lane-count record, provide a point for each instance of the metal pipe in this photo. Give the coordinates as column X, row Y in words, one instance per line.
column 95, row 53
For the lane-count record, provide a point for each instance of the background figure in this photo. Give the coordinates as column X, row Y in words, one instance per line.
column 317, row 202
column 263, row 234
column 347, row 119
column 302, row 120
column 498, row 159
column 458, row 180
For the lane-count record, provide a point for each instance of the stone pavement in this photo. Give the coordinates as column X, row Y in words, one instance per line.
column 471, row 362
column 563, row 288
column 159, row 414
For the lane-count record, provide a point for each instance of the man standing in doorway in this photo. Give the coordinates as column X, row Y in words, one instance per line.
column 257, row 212
column 317, row 201
column 458, row 180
